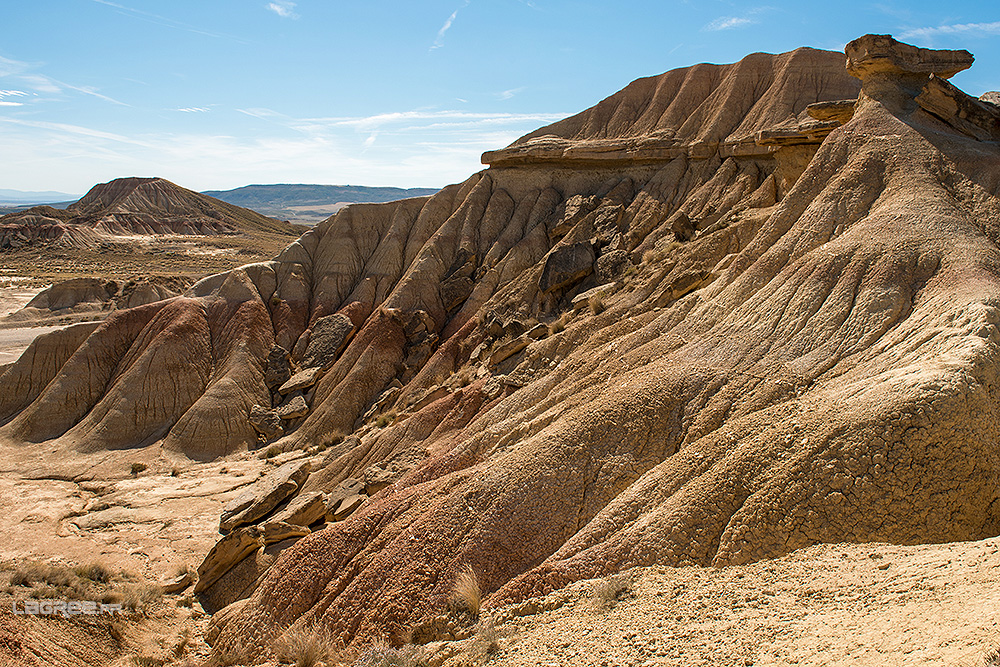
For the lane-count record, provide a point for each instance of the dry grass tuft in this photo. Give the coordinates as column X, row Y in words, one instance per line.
column 597, row 305
column 466, row 593
column 183, row 642
column 606, row 591
column 992, row 658
column 306, row 647
column 329, row 440
column 386, row 419
column 138, row 597
column 559, row 325
column 94, row 572
column 138, row 468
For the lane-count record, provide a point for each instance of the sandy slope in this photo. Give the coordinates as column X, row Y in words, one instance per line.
column 867, row 604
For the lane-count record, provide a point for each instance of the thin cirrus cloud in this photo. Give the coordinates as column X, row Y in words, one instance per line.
column 963, row 29
column 21, row 72
column 165, row 21
column 11, row 93
column 749, row 17
column 439, row 40
column 729, row 22
column 406, row 121
column 194, row 109
column 283, row 8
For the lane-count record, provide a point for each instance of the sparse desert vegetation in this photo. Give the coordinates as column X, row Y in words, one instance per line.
column 466, row 594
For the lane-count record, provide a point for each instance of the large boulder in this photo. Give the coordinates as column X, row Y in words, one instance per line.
column 304, row 509
column 226, row 553
column 278, row 369
column 566, row 265
column 304, row 379
column 329, row 336
column 266, row 422
column 256, row 502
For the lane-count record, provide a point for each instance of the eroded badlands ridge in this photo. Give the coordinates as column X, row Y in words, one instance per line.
column 771, row 321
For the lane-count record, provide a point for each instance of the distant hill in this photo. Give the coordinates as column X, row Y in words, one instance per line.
column 17, row 198
column 310, row 204
column 129, row 206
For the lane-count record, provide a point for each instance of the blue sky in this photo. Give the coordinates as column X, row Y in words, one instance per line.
column 214, row 94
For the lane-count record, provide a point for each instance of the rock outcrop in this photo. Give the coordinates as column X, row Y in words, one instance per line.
column 264, row 496
column 795, row 340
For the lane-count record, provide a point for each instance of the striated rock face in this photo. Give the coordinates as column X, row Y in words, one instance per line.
column 796, row 342
column 129, row 206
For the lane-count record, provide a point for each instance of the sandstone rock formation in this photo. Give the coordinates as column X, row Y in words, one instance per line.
column 797, row 343
column 264, row 496
column 132, row 206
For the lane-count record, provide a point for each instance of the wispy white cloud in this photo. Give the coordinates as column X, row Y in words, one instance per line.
column 21, row 72
column 5, row 103
column 283, row 8
column 10, row 67
column 749, row 17
column 166, row 22
column 439, row 40
column 39, row 83
column 507, row 94
column 12, row 93
column 194, row 109
column 88, row 90
column 729, row 22
column 403, row 120
column 963, row 29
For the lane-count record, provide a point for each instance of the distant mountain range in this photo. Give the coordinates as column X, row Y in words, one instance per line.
column 299, row 203
column 21, row 197
column 310, row 204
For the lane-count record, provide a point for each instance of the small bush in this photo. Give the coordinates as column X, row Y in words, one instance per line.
column 271, row 452
column 385, row 420
column 596, row 304
column 605, row 591
column 466, row 594
column 138, row 597
column 329, row 440
column 559, row 325
column 305, row 647
column 94, row 572
column 138, row 468
column 992, row 658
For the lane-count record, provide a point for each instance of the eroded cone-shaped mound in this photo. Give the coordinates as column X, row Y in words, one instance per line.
column 810, row 356
column 129, row 206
